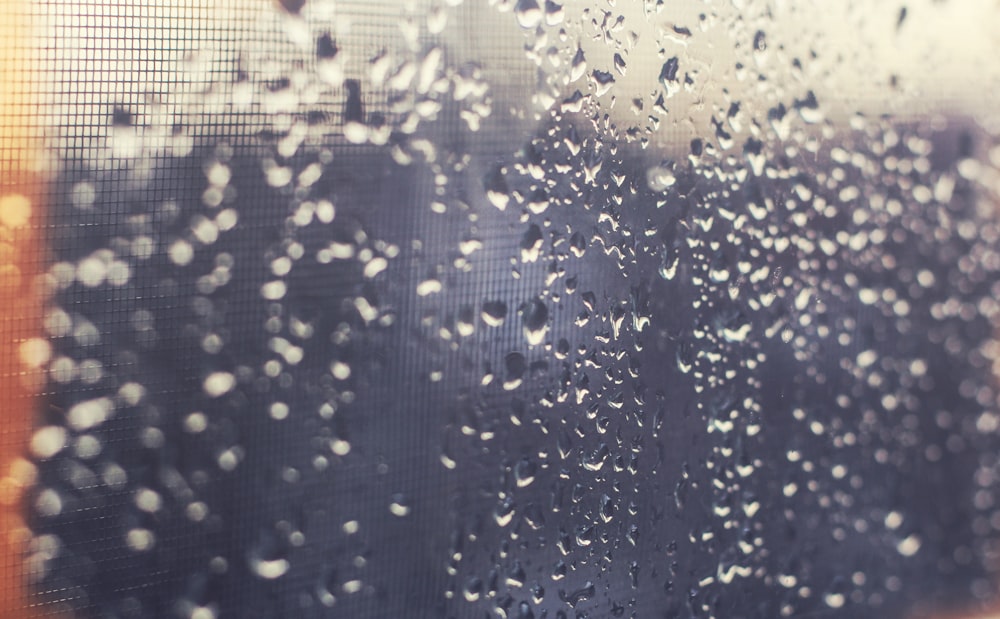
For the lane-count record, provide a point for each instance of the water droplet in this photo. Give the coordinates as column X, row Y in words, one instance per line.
column 181, row 252
column 573, row 598
column 661, row 177
column 529, row 14
column 269, row 557
column 494, row 313
column 534, row 317
column 538, row 201
column 48, row 441
column 619, row 63
column 497, row 190
column 668, row 75
column 524, row 472
column 428, row 287
column 515, row 365
column 909, row 545
column 218, row 384
column 531, row 243
column 504, row 512
column 578, row 65
column 399, row 506
column 89, row 413
column 140, row 539
column 603, row 81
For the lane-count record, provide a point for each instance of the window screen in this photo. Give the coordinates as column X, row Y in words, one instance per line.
column 512, row 309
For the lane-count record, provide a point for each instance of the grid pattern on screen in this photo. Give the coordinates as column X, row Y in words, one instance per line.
column 118, row 83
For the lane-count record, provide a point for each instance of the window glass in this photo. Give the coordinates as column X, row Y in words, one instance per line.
column 510, row 308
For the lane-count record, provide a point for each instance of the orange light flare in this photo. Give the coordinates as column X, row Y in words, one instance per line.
column 22, row 351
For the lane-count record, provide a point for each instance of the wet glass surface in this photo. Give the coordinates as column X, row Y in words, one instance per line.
column 515, row 309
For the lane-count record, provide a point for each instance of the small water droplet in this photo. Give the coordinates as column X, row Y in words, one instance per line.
column 578, row 66
column 399, row 506
column 619, row 63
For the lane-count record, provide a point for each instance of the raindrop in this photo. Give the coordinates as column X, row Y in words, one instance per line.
column 524, row 472
column 504, row 512
column 573, row 598
column 668, row 75
column 554, row 13
column 354, row 128
column 399, row 506
column 535, row 316
column 494, row 313
column 661, row 177
column 603, row 81
column 269, row 557
column 328, row 64
column 529, row 14
column 472, row 589
column 497, row 191
column 292, row 6
column 578, row 67
column 538, row 201
column 577, row 244
column 808, row 108
column 669, row 259
column 909, row 545
column 619, row 63
column 759, row 41
column 531, row 243
column 140, row 540
column 48, row 441
column 218, row 384
column 428, row 287
column 326, row 588
column 515, row 365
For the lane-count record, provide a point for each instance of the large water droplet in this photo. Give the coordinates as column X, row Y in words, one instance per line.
column 494, row 313
column 516, row 366
column 534, row 317
column 529, row 14
column 497, row 191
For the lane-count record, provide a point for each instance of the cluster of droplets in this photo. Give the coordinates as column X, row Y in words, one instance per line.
column 764, row 249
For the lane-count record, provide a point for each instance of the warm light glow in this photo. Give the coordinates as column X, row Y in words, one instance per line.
column 19, row 195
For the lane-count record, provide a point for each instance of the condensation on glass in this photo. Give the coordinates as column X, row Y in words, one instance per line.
column 516, row 309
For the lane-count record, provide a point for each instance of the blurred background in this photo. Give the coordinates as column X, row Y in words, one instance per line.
column 499, row 308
